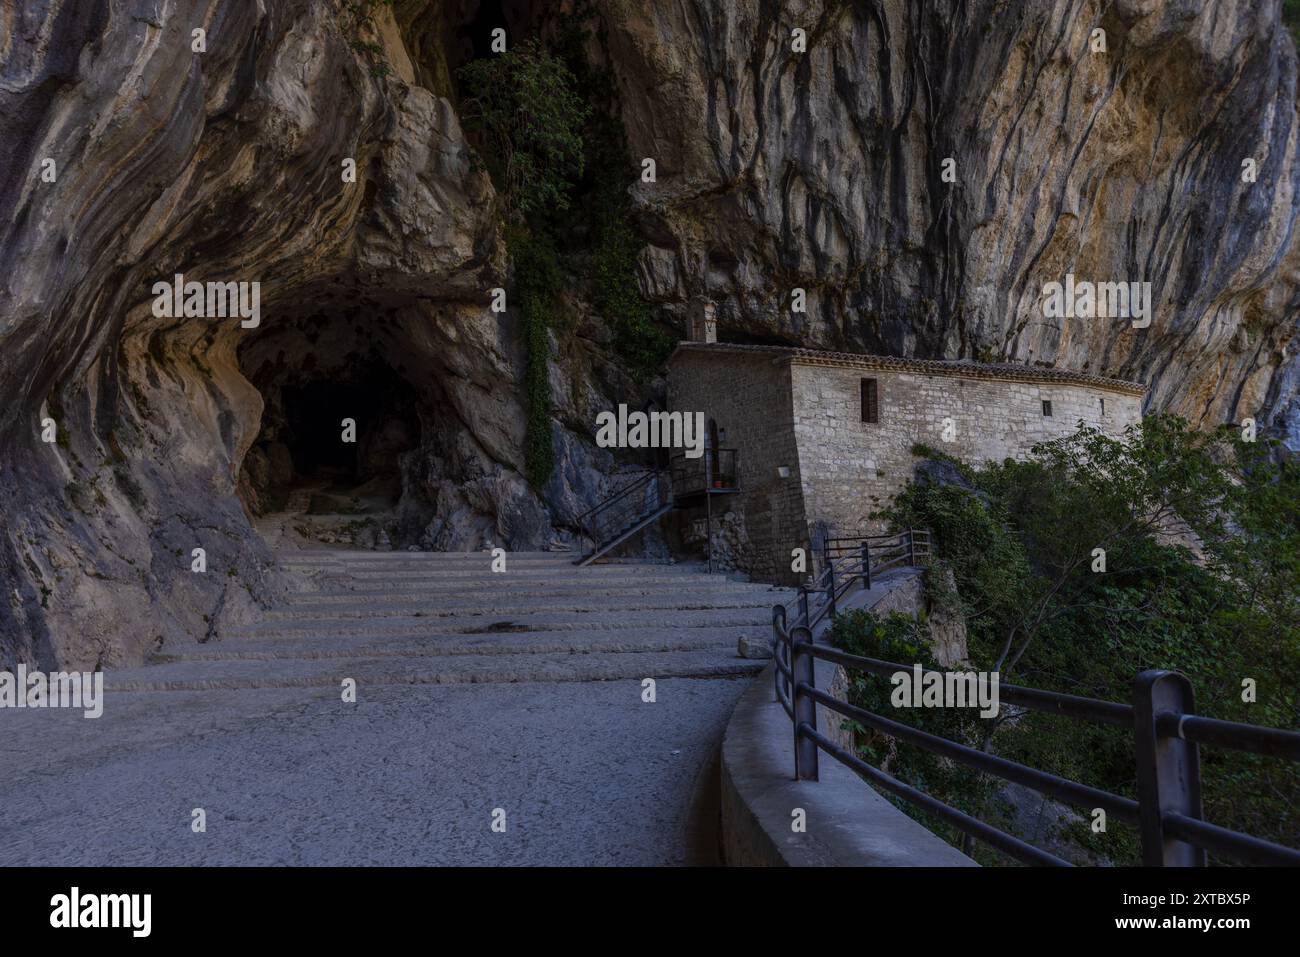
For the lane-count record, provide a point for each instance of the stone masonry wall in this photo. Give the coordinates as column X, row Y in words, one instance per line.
column 850, row 468
column 749, row 398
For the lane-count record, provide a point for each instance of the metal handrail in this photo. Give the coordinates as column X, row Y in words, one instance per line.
column 1012, row 846
column 1080, row 795
column 717, row 469
column 591, row 520
column 1033, row 699
column 639, row 482
column 858, row 561
column 1167, row 736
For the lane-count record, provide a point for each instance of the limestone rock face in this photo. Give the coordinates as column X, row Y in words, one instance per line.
column 823, row 170
column 131, row 157
column 221, row 165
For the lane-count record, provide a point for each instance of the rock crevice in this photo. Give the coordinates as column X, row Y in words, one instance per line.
column 132, row 158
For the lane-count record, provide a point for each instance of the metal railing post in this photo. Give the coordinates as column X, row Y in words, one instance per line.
column 866, row 565
column 802, row 666
column 803, row 602
column 1168, row 769
column 778, row 626
column 830, row 588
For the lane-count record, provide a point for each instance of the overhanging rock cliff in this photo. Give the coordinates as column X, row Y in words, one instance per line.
column 776, row 169
column 824, row 171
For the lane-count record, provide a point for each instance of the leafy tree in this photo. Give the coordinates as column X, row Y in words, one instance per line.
column 1027, row 547
column 1202, row 575
column 525, row 106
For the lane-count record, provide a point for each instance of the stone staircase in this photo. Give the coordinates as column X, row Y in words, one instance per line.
column 476, row 690
column 392, row 618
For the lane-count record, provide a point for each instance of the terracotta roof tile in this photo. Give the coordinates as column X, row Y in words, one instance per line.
column 970, row 370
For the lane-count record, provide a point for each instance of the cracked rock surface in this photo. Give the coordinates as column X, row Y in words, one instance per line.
column 820, row 170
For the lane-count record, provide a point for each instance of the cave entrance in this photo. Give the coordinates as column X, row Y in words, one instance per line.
column 470, row 26
column 338, row 424
column 488, row 17
column 349, row 436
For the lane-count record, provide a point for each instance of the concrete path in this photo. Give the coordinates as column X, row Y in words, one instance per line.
column 475, row 691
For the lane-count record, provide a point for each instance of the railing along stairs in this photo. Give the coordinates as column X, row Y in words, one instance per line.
column 637, row 504
column 653, row 493
column 1167, row 733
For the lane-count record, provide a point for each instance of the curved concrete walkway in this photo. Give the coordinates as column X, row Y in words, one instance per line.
column 476, row 691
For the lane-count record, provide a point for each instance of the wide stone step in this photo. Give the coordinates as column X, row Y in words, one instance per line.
column 416, row 625
column 484, row 570
column 485, row 574
column 486, row 589
column 482, row 566
column 459, row 669
column 444, row 608
column 517, row 592
column 360, row 559
column 495, row 643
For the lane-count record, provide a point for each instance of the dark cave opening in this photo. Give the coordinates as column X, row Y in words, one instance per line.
column 470, row 33
column 478, row 32
column 337, row 422
column 375, row 407
column 421, row 473
column 308, row 411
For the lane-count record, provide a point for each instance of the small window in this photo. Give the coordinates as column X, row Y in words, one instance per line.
column 870, row 401
column 1047, row 407
column 1103, row 406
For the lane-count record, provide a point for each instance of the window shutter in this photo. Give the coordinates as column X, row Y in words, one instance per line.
column 870, row 401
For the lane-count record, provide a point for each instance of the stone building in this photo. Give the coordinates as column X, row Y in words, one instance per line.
column 824, row 439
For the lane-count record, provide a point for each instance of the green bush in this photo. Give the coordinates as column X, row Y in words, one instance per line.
column 538, row 283
column 1221, row 608
column 525, row 107
column 902, row 639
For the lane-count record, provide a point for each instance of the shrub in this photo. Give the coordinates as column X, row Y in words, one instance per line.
column 538, row 283
column 1219, row 607
column 524, row 106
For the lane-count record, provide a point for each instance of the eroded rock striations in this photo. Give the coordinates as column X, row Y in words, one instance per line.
column 823, row 170
column 223, row 165
column 776, row 169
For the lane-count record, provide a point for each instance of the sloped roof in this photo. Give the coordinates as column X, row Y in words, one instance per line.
column 1010, row 372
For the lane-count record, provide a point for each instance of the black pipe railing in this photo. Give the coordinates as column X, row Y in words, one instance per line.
column 644, row 493
column 846, row 561
column 1167, row 738
column 715, row 470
